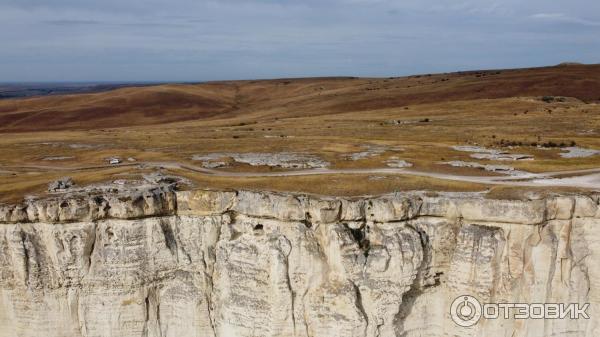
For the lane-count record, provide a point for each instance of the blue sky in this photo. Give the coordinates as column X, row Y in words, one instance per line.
column 196, row 40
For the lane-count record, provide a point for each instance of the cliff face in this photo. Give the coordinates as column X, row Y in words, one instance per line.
column 220, row 263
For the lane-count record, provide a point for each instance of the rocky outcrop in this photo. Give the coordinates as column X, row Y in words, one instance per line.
column 129, row 204
column 240, row 263
column 61, row 184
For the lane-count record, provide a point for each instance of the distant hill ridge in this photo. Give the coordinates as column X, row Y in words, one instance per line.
column 117, row 106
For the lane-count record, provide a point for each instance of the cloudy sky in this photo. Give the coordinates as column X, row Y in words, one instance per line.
column 197, row 40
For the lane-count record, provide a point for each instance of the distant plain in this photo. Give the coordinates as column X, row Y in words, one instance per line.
column 418, row 119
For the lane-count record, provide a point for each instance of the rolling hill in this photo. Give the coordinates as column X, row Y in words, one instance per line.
column 288, row 97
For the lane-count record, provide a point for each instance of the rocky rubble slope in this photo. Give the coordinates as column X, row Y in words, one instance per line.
column 238, row 263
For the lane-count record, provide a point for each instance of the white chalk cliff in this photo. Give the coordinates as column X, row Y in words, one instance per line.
column 239, row 263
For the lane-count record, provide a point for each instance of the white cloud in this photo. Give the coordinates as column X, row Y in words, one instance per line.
column 563, row 18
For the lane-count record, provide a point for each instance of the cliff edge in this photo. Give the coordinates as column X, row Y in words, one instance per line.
column 159, row 262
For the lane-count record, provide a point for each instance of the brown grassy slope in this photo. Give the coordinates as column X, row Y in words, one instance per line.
column 288, row 97
column 311, row 97
column 328, row 117
column 580, row 81
column 122, row 107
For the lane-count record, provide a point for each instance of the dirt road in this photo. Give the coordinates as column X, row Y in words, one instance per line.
column 587, row 178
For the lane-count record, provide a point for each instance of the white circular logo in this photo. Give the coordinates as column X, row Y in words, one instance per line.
column 465, row 311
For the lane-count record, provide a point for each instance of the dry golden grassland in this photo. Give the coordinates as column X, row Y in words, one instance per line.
column 415, row 118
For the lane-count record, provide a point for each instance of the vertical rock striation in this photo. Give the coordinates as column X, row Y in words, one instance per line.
column 252, row 264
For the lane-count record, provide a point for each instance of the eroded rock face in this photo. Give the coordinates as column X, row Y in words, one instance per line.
column 243, row 263
column 132, row 204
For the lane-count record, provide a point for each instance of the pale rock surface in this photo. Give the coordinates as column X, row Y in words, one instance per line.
column 156, row 263
column 278, row 159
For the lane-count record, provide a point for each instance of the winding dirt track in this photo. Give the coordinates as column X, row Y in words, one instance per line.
column 587, row 178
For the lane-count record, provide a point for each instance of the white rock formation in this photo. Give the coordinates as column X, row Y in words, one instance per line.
column 278, row 159
column 502, row 169
column 578, row 152
column 491, row 154
column 242, row 263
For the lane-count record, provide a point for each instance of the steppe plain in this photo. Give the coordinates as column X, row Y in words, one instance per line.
column 492, row 130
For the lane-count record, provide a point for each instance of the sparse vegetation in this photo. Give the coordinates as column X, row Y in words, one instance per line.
column 550, row 99
column 548, row 144
column 174, row 122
